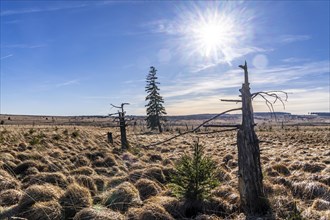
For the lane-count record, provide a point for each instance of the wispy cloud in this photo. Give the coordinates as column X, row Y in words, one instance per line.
column 100, row 97
column 5, row 57
column 23, row 46
column 39, row 9
column 184, row 89
column 295, row 60
column 294, row 38
column 68, row 83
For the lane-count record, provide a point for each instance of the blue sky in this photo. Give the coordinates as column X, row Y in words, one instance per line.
column 75, row 58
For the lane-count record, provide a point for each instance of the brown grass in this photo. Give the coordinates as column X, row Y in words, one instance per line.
column 98, row 213
column 122, row 197
column 147, row 188
column 149, row 212
column 295, row 166
column 10, row 197
column 40, row 193
column 43, row 210
column 74, row 199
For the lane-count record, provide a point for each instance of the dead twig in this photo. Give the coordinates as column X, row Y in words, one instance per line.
column 275, row 95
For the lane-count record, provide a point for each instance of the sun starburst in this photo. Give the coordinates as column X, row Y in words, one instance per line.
column 217, row 34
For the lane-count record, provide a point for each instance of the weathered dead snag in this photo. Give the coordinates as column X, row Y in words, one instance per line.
column 122, row 125
column 253, row 200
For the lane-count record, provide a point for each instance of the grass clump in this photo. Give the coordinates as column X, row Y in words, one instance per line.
column 75, row 134
column 43, row 210
column 122, row 197
column 195, row 175
column 39, row 193
column 10, row 197
column 75, row 199
column 147, row 188
column 150, row 212
column 98, row 213
column 282, row 169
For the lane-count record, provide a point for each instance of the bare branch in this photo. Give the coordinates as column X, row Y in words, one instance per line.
column 230, row 100
column 275, row 95
column 222, row 113
column 222, row 126
column 196, row 129
column 212, row 132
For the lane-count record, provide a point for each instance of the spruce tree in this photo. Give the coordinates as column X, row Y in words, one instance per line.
column 155, row 108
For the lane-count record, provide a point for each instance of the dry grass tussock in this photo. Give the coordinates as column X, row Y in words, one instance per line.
column 74, row 199
column 122, row 197
column 98, row 213
column 66, row 172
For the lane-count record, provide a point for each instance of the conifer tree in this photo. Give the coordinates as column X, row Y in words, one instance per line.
column 155, row 108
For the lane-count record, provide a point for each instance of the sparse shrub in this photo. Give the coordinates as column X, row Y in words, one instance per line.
column 98, row 213
column 122, row 197
column 75, row 199
column 147, row 188
column 195, row 175
column 2, row 122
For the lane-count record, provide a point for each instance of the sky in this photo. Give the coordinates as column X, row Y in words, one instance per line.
column 78, row 57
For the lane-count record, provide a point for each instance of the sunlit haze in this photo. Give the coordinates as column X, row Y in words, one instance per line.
column 75, row 58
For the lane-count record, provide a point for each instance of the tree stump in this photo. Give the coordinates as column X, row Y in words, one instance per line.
column 110, row 139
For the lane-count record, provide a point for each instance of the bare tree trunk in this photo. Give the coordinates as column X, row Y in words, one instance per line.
column 253, row 200
column 159, row 127
column 122, row 124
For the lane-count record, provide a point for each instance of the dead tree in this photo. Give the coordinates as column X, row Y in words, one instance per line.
column 122, row 125
column 253, row 200
column 250, row 177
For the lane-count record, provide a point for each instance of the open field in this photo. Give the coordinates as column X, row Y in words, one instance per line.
column 65, row 172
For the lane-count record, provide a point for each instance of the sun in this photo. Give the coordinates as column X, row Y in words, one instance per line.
column 213, row 36
column 217, row 34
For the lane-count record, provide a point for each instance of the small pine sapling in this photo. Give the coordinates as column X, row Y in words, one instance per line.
column 195, row 175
